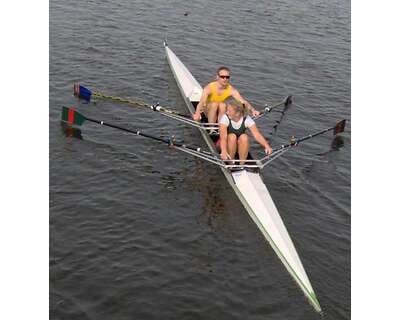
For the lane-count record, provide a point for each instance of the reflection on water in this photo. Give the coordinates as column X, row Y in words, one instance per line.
column 71, row 132
column 213, row 207
column 282, row 116
column 336, row 144
column 211, row 187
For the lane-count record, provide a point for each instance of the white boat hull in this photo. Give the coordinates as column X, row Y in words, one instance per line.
column 250, row 189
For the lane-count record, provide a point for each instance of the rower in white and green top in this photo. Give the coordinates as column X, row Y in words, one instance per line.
column 232, row 130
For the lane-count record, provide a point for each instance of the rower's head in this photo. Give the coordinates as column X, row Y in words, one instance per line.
column 223, row 75
column 234, row 109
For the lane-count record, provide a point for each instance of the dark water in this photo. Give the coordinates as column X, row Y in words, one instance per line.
column 138, row 231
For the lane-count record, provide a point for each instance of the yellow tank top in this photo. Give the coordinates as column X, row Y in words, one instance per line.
column 215, row 97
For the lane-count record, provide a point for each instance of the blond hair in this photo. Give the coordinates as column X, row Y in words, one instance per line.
column 236, row 105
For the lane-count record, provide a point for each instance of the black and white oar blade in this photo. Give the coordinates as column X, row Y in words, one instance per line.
column 339, row 128
column 71, row 116
column 82, row 92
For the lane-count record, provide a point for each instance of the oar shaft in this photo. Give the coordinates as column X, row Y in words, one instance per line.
column 139, row 133
column 84, row 93
column 128, row 130
column 118, row 99
column 72, row 117
column 286, row 102
column 314, row 134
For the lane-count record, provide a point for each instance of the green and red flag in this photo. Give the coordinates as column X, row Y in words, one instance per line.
column 71, row 116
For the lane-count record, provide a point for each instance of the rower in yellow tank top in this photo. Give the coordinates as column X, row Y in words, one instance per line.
column 213, row 97
column 220, row 96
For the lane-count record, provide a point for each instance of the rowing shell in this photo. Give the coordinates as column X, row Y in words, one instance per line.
column 250, row 189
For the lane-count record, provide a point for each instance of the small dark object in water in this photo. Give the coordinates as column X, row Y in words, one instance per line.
column 186, row 13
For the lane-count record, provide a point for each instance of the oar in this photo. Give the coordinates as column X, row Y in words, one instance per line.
column 85, row 94
column 338, row 128
column 73, row 117
column 286, row 102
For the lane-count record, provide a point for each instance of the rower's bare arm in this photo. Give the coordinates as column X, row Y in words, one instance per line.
column 260, row 139
column 244, row 102
column 202, row 102
column 223, row 135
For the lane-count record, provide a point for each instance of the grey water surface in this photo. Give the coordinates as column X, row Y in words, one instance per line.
column 140, row 231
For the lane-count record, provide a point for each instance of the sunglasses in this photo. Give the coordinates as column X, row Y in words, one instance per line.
column 224, row 77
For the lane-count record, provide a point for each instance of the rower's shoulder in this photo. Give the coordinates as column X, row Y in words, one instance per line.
column 232, row 88
column 249, row 121
column 225, row 116
column 210, row 85
column 224, row 120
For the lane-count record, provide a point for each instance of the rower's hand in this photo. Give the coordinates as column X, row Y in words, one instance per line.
column 268, row 150
column 224, row 155
column 197, row 116
column 255, row 113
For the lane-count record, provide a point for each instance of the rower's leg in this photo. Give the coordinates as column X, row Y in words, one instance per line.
column 211, row 111
column 221, row 110
column 243, row 147
column 232, row 145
